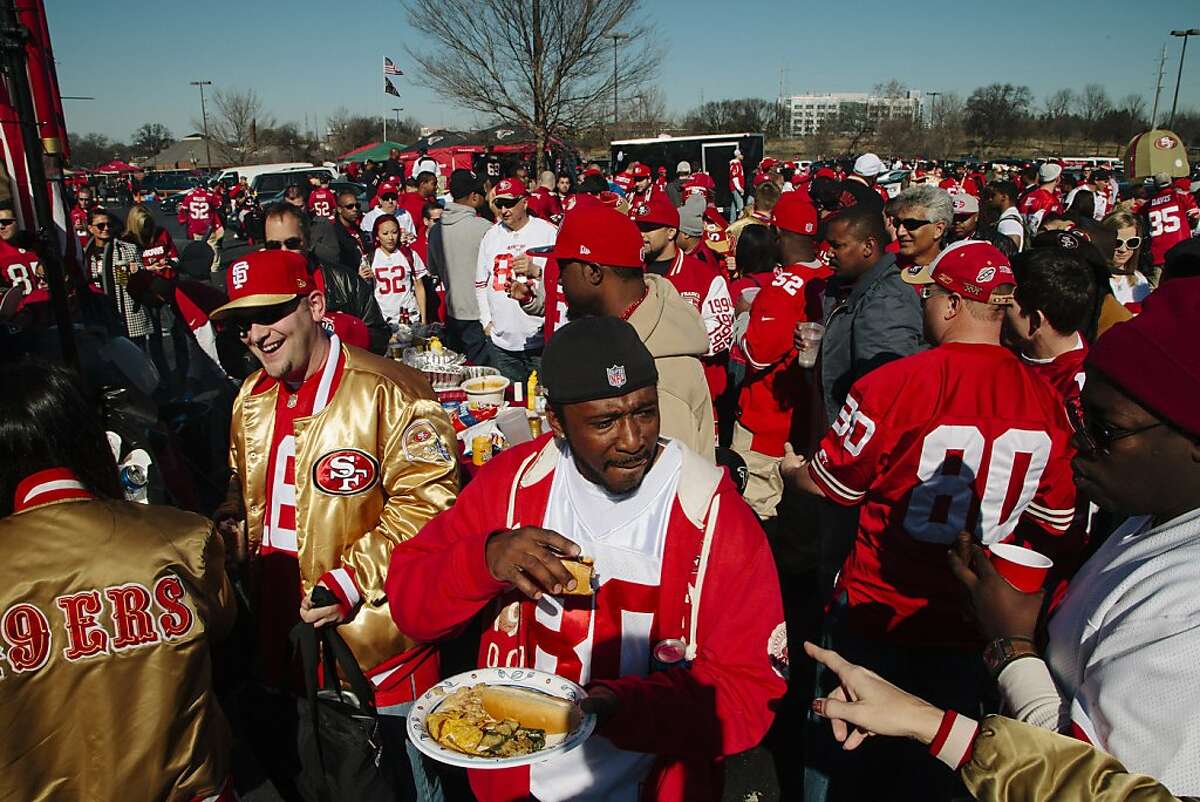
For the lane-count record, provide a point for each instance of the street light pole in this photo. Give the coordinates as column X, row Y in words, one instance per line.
column 933, row 106
column 616, row 37
column 1179, row 78
column 204, row 117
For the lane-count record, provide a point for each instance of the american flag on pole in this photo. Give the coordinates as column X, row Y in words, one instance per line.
column 390, row 68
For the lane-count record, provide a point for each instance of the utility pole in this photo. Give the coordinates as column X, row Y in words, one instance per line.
column 1179, row 78
column 204, row 117
column 933, row 106
column 616, row 37
column 1162, row 66
column 397, row 111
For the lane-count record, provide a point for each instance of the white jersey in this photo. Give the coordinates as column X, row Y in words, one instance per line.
column 394, row 278
column 402, row 217
column 626, row 536
column 512, row 328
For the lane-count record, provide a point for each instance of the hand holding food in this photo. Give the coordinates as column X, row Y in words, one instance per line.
column 530, row 558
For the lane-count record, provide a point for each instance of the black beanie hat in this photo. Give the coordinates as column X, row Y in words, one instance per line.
column 595, row 358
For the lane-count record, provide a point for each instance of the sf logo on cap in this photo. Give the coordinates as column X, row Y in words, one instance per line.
column 616, row 376
column 239, row 273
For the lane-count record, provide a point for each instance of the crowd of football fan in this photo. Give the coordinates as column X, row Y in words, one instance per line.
column 895, row 365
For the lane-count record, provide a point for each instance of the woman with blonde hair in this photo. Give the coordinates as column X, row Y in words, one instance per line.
column 1129, row 285
column 158, row 254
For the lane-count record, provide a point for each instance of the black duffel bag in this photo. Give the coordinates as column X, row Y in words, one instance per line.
column 344, row 751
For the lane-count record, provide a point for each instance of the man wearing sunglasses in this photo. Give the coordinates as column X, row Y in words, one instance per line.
column 286, row 228
column 389, row 204
column 1119, row 667
column 922, row 217
column 516, row 335
column 19, row 266
column 337, row 455
column 110, row 262
column 961, row 437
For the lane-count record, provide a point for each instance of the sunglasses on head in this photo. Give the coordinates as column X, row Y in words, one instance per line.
column 507, row 203
column 909, row 224
column 243, row 320
column 1131, row 243
column 1095, row 437
column 291, row 244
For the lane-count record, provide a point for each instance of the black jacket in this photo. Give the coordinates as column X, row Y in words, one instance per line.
column 346, row 292
column 333, row 245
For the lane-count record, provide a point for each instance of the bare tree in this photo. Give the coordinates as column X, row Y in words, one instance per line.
column 1057, row 114
column 1134, row 105
column 1093, row 104
column 235, row 119
column 547, row 65
column 997, row 112
column 892, row 88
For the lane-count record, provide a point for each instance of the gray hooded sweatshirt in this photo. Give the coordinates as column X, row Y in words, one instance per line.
column 453, row 254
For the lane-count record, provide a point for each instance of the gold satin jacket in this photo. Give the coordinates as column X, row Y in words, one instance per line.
column 108, row 609
column 1016, row 761
column 372, row 468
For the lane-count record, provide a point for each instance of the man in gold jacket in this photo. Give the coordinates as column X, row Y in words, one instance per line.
column 108, row 610
column 337, row 455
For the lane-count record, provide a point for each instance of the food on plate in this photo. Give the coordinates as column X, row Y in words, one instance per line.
column 580, row 569
column 498, row 721
column 540, row 711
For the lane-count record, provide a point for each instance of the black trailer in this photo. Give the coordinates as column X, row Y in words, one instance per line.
column 710, row 153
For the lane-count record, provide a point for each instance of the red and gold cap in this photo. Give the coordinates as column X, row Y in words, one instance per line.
column 266, row 278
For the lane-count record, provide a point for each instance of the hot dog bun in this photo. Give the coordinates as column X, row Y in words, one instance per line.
column 530, row 709
column 581, row 570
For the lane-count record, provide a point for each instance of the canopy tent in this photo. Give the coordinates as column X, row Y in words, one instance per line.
column 116, row 166
column 375, row 151
column 442, row 139
column 1156, row 151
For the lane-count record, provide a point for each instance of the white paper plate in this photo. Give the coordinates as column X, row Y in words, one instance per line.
column 529, row 678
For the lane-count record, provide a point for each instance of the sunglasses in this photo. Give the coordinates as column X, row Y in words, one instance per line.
column 507, row 203
column 909, row 224
column 932, row 291
column 350, row 206
column 291, row 244
column 1096, row 437
column 100, row 226
column 241, row 322
column 1131, row 243
column 388, row 197
column 7, row 221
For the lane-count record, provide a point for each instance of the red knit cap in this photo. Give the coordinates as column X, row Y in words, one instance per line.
column 1153, row 358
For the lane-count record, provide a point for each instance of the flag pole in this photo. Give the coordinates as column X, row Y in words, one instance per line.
column 383, row 109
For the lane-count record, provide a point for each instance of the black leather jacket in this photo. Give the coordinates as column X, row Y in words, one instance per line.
column 345, row 291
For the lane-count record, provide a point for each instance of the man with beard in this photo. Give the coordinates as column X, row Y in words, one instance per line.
column 652, row 635
column 601, row 273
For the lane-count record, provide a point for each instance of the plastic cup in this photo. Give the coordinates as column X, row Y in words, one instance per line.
column 811, row 335
column 1024, row 568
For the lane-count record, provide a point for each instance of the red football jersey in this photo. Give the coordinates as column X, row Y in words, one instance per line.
column 961, row 437
column 18, row 268
column 776, row 383
column 198, row 212
column 545, row 204
column 1171, row 214
column 1035, row 205
column 322, row 202
column 1064, row 373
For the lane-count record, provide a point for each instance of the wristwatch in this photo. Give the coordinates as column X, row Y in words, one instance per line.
column 1002, row 651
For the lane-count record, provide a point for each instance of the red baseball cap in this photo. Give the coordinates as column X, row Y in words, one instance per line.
column 624, row 181
column 767, row 163
column 794, row 212
column 639, row 170
column 593, row 232
column 510, row 188
column 971, row 268
column 593, row 170
column 266, row 278
column 760, row 179
column 662, row 170
column 657, row 212
column 716, row 237
column 825, row 172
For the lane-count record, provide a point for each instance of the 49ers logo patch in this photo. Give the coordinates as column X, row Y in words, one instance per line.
column 345, row 472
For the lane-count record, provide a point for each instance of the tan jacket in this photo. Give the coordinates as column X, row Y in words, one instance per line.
column 673, row 332
column 1014, row 761
column 387, row 411
column 116, row 702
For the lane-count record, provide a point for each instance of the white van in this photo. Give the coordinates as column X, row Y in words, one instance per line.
column 230, row 175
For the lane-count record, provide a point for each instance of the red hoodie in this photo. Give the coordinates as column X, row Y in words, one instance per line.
column 686, row 717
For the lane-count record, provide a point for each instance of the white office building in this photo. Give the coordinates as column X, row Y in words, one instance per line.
column 807, row 114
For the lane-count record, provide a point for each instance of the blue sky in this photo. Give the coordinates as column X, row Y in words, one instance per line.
column 312, row 56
